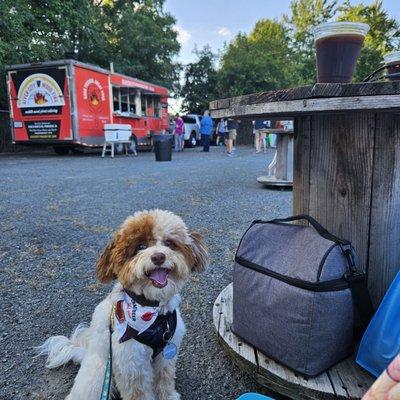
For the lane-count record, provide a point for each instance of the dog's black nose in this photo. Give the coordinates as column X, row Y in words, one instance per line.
column 158, row 258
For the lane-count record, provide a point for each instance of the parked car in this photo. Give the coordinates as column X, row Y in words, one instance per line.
column 192, row 129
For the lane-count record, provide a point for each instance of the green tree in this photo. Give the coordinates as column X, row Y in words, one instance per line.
column 34, row 30
column 199, row 82
column 257, row 62
column 138, row 35
column 305, row 14
column 382, row 37
column 143, row 41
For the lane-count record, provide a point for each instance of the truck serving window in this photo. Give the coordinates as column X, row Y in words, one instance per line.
column 124, row 100
column 151, row 105
column 144, row 105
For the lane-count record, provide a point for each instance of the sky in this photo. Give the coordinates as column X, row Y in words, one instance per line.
column 214, row 22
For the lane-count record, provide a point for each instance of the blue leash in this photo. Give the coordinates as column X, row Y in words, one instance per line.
column 106, row 390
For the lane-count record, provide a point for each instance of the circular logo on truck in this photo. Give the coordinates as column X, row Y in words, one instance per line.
column 39, row 90
column 93, row 93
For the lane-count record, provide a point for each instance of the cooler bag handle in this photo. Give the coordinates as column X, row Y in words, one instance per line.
column 316, row 225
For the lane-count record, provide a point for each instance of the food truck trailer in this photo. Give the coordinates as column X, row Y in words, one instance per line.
column 66, row 103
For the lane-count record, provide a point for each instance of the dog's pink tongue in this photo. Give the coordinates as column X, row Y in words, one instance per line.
column 159, row 277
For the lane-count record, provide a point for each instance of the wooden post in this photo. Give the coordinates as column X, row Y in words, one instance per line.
column 384, row 239
column 341, row 179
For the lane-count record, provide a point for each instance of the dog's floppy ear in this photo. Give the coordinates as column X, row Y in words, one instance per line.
column 200, row 253
column 105, row 265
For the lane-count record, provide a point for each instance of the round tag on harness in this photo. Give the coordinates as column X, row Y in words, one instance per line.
column 170, row 350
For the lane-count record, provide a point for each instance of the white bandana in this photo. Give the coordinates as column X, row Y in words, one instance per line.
column 129, row 312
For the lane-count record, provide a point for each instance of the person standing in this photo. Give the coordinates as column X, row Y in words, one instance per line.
column 260, row 133
column 206, row 126
column 179, row 132
column 221, row 131
column 232, row 126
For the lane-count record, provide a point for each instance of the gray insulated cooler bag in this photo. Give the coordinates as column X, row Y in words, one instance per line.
column 293, row 293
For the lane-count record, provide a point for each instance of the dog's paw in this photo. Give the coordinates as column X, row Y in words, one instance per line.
column 169, row 396
column 174, row 396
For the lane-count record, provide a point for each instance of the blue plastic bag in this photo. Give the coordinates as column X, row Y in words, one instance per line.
column 253, row 396
column 381, row 341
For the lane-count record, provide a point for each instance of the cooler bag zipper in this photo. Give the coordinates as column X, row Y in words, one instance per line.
column 327, row 286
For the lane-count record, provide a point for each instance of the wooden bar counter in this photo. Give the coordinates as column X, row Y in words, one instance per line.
column 346, row 163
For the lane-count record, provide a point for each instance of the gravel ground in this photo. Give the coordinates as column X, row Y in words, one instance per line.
column 57, row 213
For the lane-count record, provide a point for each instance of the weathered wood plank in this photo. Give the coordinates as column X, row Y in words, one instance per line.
column 349, row 380
column 302, row 92
column 240, row 348
column 297, row 386
column 217, row 313
column 254, row 98
column 355, row 89
column 287, row 391
column 301, row 165
column 311, row 91
column 384, row 246
column 282, row 144
column 344, row 381
column 340, row 167
column 313, row 105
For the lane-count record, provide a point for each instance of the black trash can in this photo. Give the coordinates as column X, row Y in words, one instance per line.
column 163, row 147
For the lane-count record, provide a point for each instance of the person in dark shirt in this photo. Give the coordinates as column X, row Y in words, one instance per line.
column 232, row 125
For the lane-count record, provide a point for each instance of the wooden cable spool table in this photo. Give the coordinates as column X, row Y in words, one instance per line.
column 346, row 166
column 344, row 381
column 280, row 170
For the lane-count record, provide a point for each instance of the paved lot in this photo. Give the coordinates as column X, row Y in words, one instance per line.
column 57, row 213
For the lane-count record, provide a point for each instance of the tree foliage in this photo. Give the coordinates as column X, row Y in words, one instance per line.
column 382, row 37
column 280, row 54
column 305, row 14
column 258, row 61
column 143, row 41
column 137, row 35
column 200, row 80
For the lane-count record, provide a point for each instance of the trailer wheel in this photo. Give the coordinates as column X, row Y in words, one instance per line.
column 62, row 150
column 78, row 150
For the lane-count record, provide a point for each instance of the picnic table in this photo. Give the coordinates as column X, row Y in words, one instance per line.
column 346, row 174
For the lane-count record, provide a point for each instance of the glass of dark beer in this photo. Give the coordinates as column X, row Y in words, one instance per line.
column 392, row 63
column 338, row 47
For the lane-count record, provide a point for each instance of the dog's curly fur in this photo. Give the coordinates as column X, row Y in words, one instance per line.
column 128, row 259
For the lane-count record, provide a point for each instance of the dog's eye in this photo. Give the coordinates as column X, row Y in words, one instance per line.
column 141, row 246
column 169, row 243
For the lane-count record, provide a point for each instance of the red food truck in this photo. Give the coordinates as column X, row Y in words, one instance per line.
column 66, row 103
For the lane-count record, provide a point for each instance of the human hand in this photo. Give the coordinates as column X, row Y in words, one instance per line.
column 387, row 386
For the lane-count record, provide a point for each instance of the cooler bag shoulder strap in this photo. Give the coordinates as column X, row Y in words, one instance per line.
column 358, row 284
column 362, row 301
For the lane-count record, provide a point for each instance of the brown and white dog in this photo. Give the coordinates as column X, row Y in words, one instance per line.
column 151, row 255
